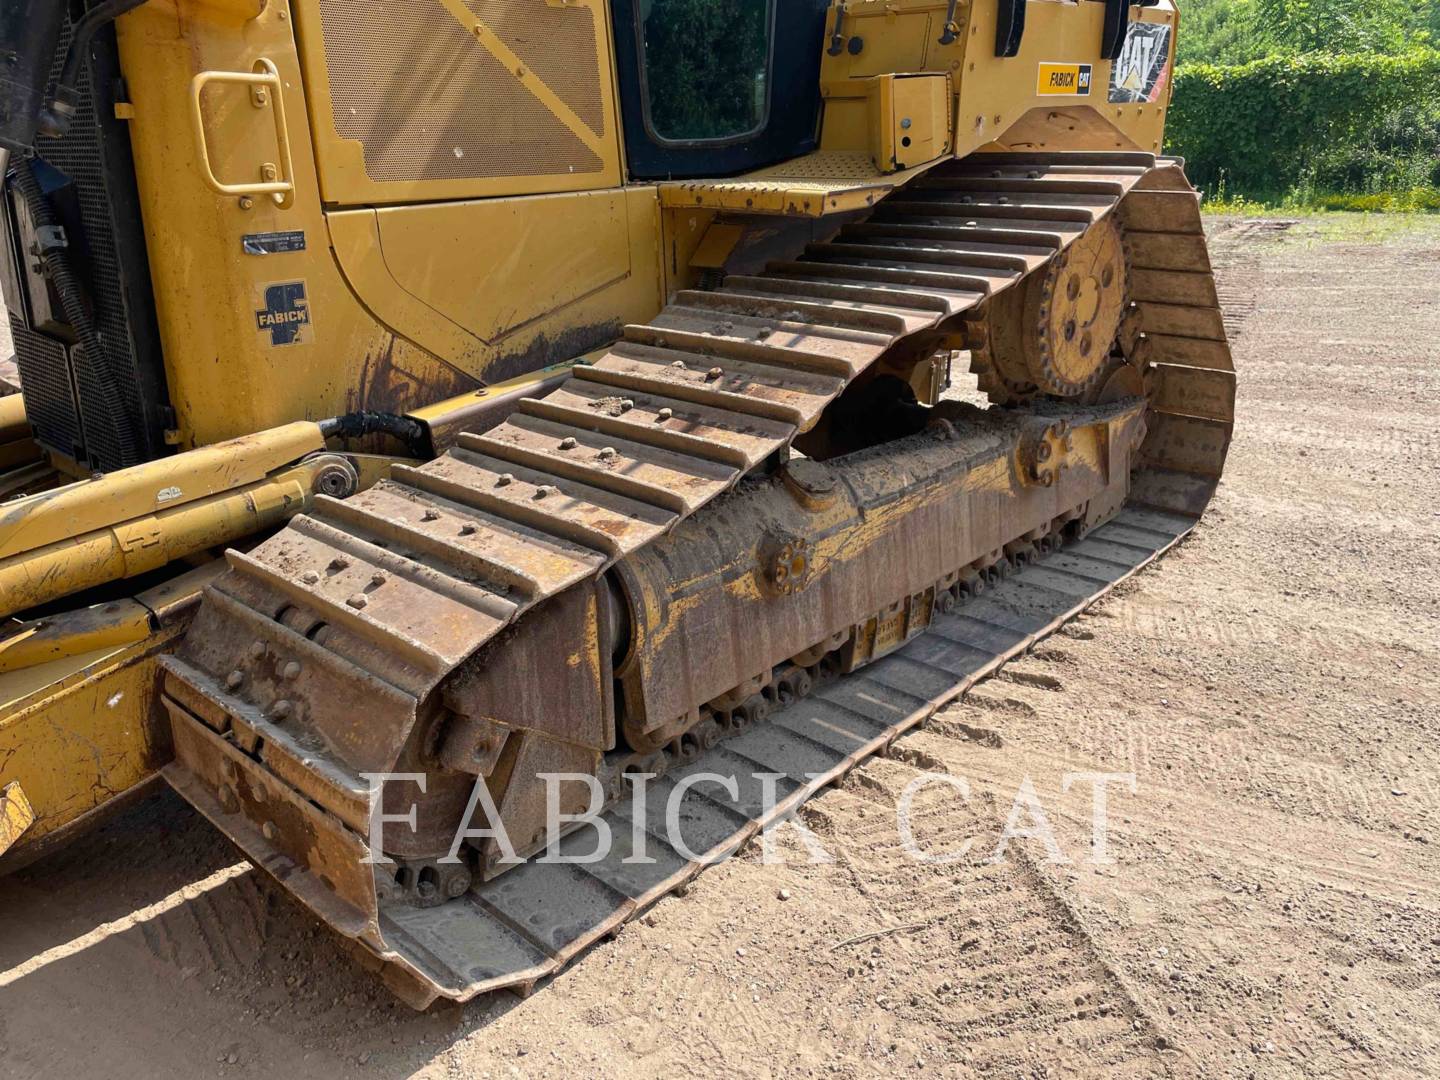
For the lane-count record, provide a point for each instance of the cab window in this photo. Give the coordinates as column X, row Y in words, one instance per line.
column 717, row 87
column 706, row 68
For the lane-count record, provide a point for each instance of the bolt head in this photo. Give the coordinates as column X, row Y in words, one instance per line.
column 335, row 481
column 310, row 577
column 281, row 710
column 234, row 679
column 290, row 670
column 504, row 480
column 358, row 601
column 269, row 831
column 567, row 443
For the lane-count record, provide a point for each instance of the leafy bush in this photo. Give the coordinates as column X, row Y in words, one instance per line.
column 697, row 90
column 1239, row 31
column 1355, row 124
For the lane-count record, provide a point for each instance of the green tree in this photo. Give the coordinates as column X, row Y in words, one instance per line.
column 1363, row 122
column 1239, row 31
column 1337, row 26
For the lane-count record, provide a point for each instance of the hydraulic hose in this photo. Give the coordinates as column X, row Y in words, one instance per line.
column 55, row 120
column 97, row 379
column 412, row 433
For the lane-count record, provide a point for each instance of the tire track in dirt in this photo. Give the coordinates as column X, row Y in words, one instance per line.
column 1228, row 242
column 1031, row 972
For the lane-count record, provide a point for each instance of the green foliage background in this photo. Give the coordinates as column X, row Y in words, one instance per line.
column 1329, row 102
column 697, row 90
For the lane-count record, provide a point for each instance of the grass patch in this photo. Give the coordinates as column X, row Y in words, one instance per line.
column 1237, row 206
column 1351, row 227
column 1417, row 200
column 1316, row 228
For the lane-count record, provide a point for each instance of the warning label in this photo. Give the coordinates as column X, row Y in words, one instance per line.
column 1065, row 80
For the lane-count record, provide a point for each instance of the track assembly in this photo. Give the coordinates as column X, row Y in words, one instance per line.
column 631, row 567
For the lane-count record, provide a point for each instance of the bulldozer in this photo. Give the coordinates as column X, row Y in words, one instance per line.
column 423, row 401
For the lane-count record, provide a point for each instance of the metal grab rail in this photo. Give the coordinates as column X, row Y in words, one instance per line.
column 266, row 74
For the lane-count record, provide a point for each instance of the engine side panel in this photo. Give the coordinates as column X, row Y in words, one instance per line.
column 275, row 306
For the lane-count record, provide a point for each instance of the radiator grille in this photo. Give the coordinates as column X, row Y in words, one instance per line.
column 427, row 101
column 49, row 396
column 50, row 390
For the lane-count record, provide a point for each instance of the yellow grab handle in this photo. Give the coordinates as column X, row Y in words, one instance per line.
column 265, row 75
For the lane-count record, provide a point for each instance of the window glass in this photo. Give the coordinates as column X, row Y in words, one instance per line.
column 707, row 67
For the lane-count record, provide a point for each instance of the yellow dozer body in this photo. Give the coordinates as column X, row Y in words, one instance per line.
column 424, row 401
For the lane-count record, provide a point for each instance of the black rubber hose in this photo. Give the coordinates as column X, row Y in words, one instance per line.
column 98, row 381
column 55, row 121
column 412, row 433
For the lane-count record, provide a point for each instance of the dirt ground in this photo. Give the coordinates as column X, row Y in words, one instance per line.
column 1272, row 908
